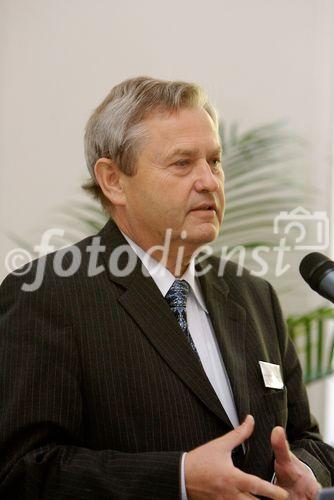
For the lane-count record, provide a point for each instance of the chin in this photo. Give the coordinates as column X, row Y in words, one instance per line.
column 204, row 236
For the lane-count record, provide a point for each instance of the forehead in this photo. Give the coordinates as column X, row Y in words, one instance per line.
column 189, row 128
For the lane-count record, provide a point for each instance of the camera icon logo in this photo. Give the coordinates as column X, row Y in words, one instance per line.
column 311, row 228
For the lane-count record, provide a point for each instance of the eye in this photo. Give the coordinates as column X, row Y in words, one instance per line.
column 216, row 164
column 182, row 163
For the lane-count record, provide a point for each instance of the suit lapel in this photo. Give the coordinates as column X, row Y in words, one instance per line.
column 229, row 323
column 144, row 303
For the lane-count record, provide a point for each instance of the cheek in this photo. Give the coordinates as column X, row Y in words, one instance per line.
column 221, row 193
column 169, row 211
column 223, row 198
column 164, row 199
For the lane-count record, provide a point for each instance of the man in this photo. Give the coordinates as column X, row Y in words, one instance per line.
column 133, row 376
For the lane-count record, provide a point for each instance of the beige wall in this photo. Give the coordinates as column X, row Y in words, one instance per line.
column 260, row 60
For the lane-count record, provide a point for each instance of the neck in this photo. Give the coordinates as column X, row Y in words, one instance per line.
column 173, row 255
column 176, row 262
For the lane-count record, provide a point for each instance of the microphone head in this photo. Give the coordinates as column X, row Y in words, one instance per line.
column 314, row 268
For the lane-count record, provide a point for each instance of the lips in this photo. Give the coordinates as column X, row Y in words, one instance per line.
column 206, row 206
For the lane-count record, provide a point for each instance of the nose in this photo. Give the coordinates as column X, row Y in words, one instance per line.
column 206, row 179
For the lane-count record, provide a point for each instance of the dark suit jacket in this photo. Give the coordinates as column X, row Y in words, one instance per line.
column 100, row 393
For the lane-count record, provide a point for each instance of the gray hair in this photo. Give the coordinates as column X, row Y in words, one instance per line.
column 116, row 127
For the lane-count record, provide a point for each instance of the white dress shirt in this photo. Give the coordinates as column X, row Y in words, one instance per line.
column 201, row 331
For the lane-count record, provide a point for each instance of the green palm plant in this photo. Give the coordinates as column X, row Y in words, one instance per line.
column 313, row 335
column 260, row 169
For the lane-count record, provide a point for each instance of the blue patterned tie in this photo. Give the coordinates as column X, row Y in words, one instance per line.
column 177, row 300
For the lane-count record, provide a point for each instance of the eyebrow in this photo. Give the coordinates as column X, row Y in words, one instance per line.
column 191, row 152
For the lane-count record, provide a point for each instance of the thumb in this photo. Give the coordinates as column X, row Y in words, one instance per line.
column 236, row 437
column 280, row 445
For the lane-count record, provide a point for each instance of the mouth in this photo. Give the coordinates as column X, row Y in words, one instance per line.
column 205, row 207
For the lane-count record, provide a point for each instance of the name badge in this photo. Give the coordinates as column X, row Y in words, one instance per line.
column 271, row 374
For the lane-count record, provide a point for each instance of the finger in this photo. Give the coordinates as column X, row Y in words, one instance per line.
column 256, row 486
column 236, row 437
column 280, row 445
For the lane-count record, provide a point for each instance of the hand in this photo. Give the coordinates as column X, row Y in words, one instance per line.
column 291, row 473
column 211, row 475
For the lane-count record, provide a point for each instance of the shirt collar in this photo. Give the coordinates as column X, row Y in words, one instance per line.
column 163, row 277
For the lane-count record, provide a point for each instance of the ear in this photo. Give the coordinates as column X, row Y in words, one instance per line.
column 108, row 175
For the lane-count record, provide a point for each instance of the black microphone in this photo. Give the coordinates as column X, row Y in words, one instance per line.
column 318, row 271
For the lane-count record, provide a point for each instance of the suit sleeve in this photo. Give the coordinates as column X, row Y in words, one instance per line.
column 302, row 429
column 42, row 428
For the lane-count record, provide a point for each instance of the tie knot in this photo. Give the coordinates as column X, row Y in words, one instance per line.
column 177, row 294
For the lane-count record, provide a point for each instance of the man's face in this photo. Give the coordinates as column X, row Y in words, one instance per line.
column 178, row 183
